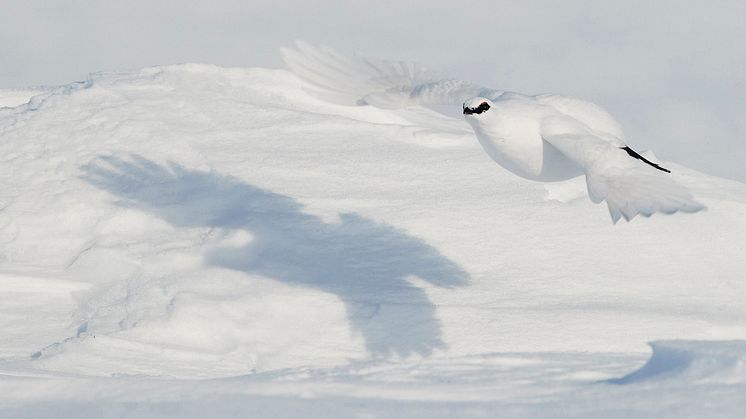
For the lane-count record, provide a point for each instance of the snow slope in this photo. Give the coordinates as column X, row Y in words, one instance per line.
column 174, row 224
column 15, row 97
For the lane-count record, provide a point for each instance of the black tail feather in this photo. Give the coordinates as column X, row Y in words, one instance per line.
column 636, row 155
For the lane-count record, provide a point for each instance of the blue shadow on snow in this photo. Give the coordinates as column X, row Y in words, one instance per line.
column 363, row 262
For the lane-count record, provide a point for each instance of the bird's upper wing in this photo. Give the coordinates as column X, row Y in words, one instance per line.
column 586, row 112
column 628, row 185
column 355, row 80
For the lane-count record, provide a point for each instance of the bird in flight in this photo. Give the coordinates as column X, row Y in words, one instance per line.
column 545, row 138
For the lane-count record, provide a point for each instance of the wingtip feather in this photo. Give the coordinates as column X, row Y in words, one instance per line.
column 633, row 193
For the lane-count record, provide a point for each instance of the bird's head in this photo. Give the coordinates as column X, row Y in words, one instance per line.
column 476, row 107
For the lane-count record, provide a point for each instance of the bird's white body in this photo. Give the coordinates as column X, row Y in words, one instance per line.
column 542, row 138
column 510, row 133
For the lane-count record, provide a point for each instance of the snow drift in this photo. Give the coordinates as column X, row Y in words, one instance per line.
column 193, row 221
column 693, row 361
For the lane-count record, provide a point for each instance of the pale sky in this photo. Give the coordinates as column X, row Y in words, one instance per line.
column 672, row 72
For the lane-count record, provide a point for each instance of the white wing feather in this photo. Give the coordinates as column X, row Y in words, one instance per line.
column 629, row 186
column 354, row 80
column 586, row 112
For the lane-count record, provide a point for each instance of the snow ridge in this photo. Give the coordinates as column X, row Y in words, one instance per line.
column 714, row 361
column 169, row 225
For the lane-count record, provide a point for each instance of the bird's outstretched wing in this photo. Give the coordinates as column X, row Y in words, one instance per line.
column 355, row 80
column 586, row 112
column 628, row 185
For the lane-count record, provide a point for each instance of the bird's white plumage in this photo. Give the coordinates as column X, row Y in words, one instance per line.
column 355, row 80
column 586, row 112
column 541, row 138
column 628, row 186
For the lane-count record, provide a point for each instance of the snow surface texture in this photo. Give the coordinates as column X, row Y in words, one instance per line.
column 169, row 225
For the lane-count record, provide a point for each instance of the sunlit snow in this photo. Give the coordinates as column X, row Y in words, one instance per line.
column 198, row 241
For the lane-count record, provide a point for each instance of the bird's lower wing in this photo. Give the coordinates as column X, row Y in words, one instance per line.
column 354, row 80
column 628, row 185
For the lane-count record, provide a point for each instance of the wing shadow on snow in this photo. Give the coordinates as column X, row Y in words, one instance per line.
column 363, row 262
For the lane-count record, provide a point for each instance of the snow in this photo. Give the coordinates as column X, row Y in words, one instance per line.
column 194, row 241
column 701, row 361
column 14, row 97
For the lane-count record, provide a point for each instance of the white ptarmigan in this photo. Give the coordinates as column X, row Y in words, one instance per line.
column 542, row 138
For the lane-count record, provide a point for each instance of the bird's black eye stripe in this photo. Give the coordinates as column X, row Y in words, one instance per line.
column 479, row 109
